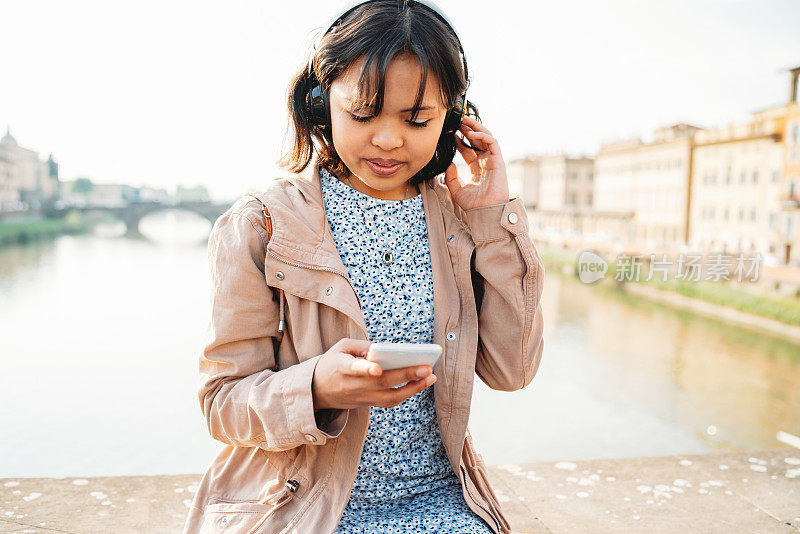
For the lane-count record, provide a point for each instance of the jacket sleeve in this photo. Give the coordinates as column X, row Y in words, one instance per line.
column 508, row 275
column 246, row 400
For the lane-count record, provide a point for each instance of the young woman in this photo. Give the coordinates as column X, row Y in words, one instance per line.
column 365, row 242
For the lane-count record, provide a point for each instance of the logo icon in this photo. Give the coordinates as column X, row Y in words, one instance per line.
column 591, row 267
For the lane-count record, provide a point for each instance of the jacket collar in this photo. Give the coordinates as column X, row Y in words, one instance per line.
column 301, row 232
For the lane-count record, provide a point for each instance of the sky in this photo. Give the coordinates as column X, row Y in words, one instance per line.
column 163, row 93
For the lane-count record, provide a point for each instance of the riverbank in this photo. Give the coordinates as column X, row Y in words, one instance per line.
column 34, row 229
column 753, row 491
column 776, row 315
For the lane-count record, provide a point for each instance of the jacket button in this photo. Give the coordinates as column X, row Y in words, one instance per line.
column 512, row 217
column 450, row 238
column 292, row 485
column 279, row 275
column 329, row 290
column 311, row 438
column 451, row 336
column 224, row 520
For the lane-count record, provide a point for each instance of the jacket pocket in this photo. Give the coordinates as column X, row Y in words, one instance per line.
column 245, row 516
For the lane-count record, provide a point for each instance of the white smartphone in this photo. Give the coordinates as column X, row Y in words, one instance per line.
column 396, row 355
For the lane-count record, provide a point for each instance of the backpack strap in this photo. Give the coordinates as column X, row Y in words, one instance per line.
column 268, row 226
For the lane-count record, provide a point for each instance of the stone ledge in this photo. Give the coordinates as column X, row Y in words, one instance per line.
column 742, row 492
column 757, row 491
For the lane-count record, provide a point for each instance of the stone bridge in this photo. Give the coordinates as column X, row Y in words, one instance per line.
column 132, row 213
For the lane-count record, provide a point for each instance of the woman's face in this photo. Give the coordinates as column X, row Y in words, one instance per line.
column 384, row 152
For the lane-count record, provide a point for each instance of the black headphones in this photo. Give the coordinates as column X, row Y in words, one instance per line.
column 317, row 100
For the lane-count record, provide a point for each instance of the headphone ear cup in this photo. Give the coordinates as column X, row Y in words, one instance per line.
column 455, row 114
column 320, row 111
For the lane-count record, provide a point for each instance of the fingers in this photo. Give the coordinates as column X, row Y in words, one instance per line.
column 389, row 379
column 362, row 388
column 472, row 124
column 466, row 152
column 356, row 347
column 451, row 178
column 354, row 366
column 393, row 377
column 484, row 142
column 391, row 397
column 479, row 136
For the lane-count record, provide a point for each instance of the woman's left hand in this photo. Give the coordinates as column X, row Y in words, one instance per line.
column 489, row 184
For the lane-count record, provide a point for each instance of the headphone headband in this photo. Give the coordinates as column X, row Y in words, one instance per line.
column 350, row 6
column 317, row 97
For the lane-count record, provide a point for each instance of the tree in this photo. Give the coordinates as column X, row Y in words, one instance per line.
column 82, row 185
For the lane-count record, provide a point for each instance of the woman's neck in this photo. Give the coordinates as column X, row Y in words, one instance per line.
column 404, row 192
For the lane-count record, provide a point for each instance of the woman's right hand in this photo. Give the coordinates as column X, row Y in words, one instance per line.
column 344, row 379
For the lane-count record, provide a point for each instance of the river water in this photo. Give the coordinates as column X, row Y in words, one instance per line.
column 99, row 338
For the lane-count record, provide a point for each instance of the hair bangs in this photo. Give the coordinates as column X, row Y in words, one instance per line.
column 372, row 81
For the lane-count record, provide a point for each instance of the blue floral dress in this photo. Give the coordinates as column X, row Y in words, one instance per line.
column 405, row 482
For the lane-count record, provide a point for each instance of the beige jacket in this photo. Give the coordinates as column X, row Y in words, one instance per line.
column 287, row 469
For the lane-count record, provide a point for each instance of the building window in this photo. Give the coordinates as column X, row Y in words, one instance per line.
column 741, row 214
column 752, row 215
column 776, row 176
column 742, row 177
column 755, row 177
column 727, row 214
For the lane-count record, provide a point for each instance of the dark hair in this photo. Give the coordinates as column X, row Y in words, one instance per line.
column 378, row 31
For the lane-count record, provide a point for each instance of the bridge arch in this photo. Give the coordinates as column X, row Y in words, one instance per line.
column 132, row 214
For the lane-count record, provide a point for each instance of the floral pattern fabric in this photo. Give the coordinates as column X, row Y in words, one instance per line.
column 405, row 482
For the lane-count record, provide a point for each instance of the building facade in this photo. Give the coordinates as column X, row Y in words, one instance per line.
column 565, row 182
column 523, row 179
column 789, row 225
column 735, row 189
column 721, row 190
column 650, row 180
column 26, row 182
column 98, row 195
